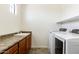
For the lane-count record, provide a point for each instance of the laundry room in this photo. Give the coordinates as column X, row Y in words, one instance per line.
column 39, row 28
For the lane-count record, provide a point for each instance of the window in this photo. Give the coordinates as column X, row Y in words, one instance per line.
column 13, row 8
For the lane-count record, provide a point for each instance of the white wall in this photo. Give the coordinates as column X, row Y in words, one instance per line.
column 69, row 11
column 9, row 23
column 40, row 19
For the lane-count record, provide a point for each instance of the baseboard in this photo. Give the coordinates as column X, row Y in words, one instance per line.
column 39, row 46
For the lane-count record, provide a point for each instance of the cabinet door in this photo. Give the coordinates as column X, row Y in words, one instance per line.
column 12, row 50
column 16, row 52
column 27, row 50
column 28, row 43
column 22, row 47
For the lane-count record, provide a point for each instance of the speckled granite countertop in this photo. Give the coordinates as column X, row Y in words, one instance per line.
column 8, row 41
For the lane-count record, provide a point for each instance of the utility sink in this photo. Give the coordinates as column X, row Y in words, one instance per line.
column 23, row 34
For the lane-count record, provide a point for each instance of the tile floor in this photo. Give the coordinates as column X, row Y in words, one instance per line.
column 39, row 51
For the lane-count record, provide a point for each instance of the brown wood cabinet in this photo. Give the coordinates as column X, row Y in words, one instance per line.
column 20, row 47
column 28, row 43
column 12, row 50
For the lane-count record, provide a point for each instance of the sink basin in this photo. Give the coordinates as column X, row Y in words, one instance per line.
column 23, row 34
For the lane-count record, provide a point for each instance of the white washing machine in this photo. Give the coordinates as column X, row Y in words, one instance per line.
column 51, row 42
column 70, row 42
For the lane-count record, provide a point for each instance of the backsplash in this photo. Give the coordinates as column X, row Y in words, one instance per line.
column 71, row 25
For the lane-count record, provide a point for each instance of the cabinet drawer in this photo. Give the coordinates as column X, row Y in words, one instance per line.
column 12, row 50
column 28, row 36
